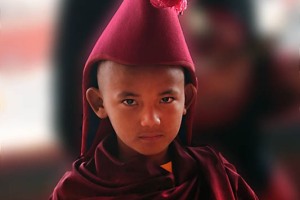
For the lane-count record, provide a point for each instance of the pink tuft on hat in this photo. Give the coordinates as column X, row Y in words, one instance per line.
column 179, row 5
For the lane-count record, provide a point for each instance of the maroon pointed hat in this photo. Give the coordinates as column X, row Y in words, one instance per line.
column 142, row 32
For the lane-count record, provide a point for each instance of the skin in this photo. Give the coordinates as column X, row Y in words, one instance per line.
column 144, row 104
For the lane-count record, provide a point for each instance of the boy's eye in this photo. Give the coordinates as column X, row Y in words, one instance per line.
column 167, row 100
column 129, row 102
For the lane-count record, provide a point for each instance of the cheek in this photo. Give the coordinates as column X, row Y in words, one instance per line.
column 172, row 117
column 122, row 121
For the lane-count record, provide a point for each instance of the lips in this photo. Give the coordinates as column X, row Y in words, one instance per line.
column 151, row 137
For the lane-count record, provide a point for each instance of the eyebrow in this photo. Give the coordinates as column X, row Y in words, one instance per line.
column 169, row 91
column 125, row 94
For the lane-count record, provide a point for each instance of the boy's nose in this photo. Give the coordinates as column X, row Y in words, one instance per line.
column 150, row 118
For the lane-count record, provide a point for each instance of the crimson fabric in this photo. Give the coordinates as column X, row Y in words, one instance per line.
column 198, row 173
column 138, row 34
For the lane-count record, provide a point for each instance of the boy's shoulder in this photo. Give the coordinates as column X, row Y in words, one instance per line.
column 212, row 161
column 218, row 170
column 209, row 154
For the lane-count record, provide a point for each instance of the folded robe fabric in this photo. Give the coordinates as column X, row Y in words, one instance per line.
column 198, row 173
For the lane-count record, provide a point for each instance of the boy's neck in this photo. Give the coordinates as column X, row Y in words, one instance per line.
column 125, row 154
column 158, row 159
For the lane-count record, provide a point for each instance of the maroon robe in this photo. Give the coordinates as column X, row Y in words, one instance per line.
column 198, row 173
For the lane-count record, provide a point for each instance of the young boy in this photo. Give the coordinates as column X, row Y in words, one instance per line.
column 139, row 91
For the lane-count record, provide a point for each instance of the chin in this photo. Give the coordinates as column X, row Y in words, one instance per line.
column 151, row 152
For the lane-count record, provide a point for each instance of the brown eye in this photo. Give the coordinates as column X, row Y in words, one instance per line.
column 129, row 102
column 167, row 100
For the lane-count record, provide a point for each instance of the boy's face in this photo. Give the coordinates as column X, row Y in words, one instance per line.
column 145, row 105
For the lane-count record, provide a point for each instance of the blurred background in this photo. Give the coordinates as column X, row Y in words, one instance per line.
column 247, row 61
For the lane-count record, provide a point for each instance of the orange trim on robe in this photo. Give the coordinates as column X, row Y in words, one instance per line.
column 168, row 166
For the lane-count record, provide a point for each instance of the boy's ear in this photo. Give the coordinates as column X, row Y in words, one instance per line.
column 94, row 97
column 190, row 92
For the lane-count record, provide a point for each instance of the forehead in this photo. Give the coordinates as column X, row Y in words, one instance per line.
column 109, row 70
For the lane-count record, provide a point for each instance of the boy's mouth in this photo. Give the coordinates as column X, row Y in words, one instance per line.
column 151, row 137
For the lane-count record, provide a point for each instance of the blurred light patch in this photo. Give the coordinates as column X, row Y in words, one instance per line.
column 279, row 20
column 26, row 74
column 26, row 108
column 31, row 157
